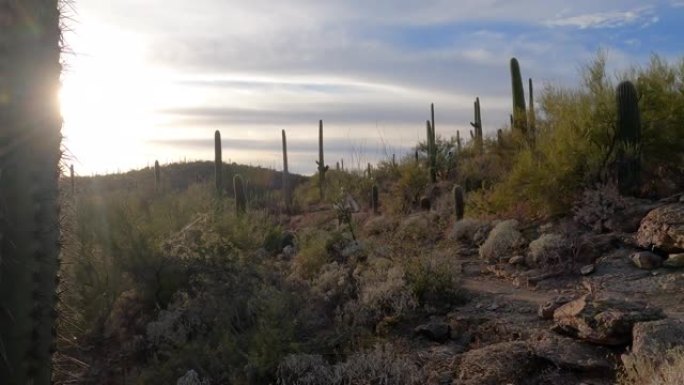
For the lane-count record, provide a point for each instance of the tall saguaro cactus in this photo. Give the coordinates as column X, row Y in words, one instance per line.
column 157, row 176
column 531, row 117
column 322, row 168
column 218, row 163
column 30, row 138
column 375, row 202
column 459, row 202
column 628, row 137
column 240, row 196
column 287, row 193
column 431, row 152
column 519, row 109
column 477, row 126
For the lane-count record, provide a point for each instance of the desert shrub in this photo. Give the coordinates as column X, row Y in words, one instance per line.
column 313, row 253
column 548, row 249
column 378, row 225
column 406, row 191
column 435, row 281
column 382, row 365
column 503, row 241
column 597, row 206
column 470, row 231
column 420, row 228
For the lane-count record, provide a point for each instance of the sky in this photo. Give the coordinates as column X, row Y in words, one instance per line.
column 148, row 80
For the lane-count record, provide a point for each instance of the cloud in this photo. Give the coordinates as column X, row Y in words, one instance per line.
column 616, row 19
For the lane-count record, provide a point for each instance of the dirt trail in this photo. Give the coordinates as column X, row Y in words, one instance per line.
column 505, row 290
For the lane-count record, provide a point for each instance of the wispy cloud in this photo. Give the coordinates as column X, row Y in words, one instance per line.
column 643, row 16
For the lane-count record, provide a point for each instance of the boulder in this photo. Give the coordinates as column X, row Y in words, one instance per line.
column 663, row 228
column 588, row 269
column 435, row 331
column 652, row 341
column 646, row 260
column 547, row 309
column 573, row 355
column 606, row 321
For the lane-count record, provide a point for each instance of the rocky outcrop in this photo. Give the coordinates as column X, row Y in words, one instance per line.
column 573, row 355
column 663, row 228
column 602, row 321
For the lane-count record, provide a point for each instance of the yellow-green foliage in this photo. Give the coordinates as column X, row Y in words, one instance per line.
column 574, row 145
column 647, row 371
column 313, row 253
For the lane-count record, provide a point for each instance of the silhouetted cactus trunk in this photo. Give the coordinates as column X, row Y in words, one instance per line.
column 519, row 109
column 218, row 163
column 432, row 152
column 629, row 138
column 531, row 117
column 72, row 180
column 30, row 138
column 322, row 168
column 459, row 202
column 375, row 203
column 287, row 192
column 476, row 134
column 157, row 177
column 240, row 196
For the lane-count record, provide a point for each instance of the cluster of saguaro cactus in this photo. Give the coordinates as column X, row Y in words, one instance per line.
column 432, row 145
column 628, row 138
column 459, row 202
column 375, row 202
column 157, row 176
column 287, row 192
column 240, row 196
column 30, row 138
column 218, row 163
column 322, row 168
column 476, row 133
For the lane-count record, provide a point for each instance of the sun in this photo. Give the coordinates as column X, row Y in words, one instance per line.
column 110, row 98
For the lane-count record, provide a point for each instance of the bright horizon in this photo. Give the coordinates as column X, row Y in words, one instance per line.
column 150, row 80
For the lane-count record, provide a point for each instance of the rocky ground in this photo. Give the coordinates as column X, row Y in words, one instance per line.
column 551, row 306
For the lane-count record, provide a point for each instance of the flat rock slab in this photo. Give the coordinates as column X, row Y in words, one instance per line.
column 602, row 321
column 574, row 355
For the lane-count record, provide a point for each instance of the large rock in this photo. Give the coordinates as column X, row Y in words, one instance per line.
column 435, row 331
column 646, row 260
column 652, row 340
column 663, row 228
column 602, row 321
column 674, row 261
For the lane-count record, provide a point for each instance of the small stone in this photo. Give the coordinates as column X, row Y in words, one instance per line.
column 674, row 260
column 587, row 269
column 546, row 310
column 646, row 260
column 517, row 260
column 493, row 306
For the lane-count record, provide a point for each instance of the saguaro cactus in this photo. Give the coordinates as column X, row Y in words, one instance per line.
column 531, row 117
column 240, row 196
column 287, row 193
column 322, row 168
column 459, row 202
column 477, row 127
column 628, row 137
column 432, row 147
column 218, row 163
column 72, row 180
column 375, row 204
column 458, row 141
column 519, row 110
column 30, row 138
column 157, row 176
